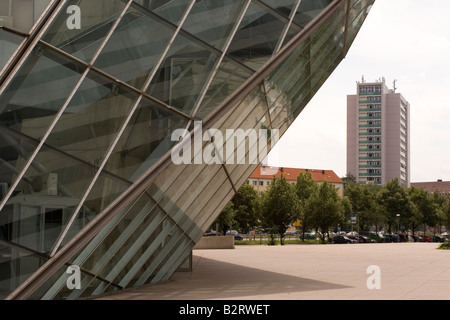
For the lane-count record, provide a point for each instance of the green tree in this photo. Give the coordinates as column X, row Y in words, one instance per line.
column 279, row 206
column 305, row 188
column 246, row 206
column 444, row 214
column 225, row 221
column 364, row 200
column 326, row 208
column 396, row 203
column 242, row 212
column 424, row 210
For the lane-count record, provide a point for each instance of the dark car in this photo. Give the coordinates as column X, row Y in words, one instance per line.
column 342, row 239
column 238, row 237
column 363, row 239
column 391, row 238
column 437, row 239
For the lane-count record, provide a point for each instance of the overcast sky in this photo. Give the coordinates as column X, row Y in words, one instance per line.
column 403, row 40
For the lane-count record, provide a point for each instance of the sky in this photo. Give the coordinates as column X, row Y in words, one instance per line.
column 403, row 40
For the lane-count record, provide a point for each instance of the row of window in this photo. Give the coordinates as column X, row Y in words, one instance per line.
column 258, row 183
column 370, row 89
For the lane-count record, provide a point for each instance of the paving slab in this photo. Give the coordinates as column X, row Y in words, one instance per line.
column 379, row 271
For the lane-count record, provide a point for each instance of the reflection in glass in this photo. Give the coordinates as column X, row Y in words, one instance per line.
column 135, row 47
column 146, row 138
column 29, row 105
column 257, row 37
column 21, row 15
column 47, row 196
column 228, row 77
column 212, row 21
column 183, row 74
column 9, row 42
column 96, row 19
column 93, row 119
column 171, row 10
column 15, row 267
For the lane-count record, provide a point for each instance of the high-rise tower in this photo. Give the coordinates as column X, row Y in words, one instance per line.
column 378, row 134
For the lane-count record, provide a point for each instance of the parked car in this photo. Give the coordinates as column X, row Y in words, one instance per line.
column 238, row 237
column 391, row 238
column 426, row 239
column 437, row 239
column 363, row 239
column 308, row 236
column 211, row 233
column 342, row 239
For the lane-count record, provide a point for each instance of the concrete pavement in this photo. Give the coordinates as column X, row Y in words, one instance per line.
column 407, row 271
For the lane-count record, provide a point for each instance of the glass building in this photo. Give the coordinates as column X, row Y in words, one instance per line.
column 90, row 94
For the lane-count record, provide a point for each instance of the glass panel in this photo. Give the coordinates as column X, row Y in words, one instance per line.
column 95, row 20
column 38, row 91
column 30, row 102
column 251, row 115
column 93, row 118
column 228, row 78
column 106, row 189
column 171, row 10
column 308, row 10
column 21, row 14
column 212, row 20
column 48, row 193
column 15, row 150
column 167, row 241
column 257, row 37
column 282, row 6
column 9, row 42
column 140, row 223
column 183, row 74
column 128, row 54
column 15, row 267
column 145, row 140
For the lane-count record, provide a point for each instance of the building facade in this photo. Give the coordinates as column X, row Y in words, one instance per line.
column 439, row 186
column 378, row 134
column 91, row 92
column 261, row 178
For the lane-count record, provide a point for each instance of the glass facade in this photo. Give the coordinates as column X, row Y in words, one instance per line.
column 90, row 95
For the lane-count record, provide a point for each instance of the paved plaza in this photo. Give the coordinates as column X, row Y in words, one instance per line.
column 407, row 271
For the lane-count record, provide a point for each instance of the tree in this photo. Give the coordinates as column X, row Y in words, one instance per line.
column 396, row 203
column 279, row 206
column 424, row 209
column 305, row 188
column 439, row 201
column 444, row 214
column 326, row 208
column 246, row 206
column 242, row 212
column 226, row 218
column 364, row 204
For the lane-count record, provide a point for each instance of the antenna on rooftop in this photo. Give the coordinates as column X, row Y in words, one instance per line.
column 395, row 85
